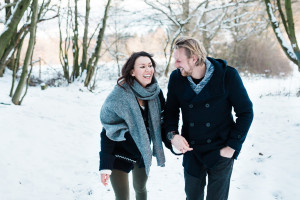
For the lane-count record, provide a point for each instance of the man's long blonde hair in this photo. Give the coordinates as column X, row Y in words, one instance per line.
column 192, row 47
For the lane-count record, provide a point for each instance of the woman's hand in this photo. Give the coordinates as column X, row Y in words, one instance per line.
column 104, row 179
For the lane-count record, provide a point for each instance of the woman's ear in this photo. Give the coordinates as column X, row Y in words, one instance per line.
column 132, row 73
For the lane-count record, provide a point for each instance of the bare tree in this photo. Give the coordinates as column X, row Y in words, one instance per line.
column 64, row 44
column 178, row 17
column 290, row 47
column 71, row 22
column 85, row 44
column 116, row 43
column 9, row 55
column 93, row 60
column 24, row 76
column 203, row 19
column 11, row 27
column 75, row 45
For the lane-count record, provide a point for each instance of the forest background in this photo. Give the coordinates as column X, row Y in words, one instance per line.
column 59, row 59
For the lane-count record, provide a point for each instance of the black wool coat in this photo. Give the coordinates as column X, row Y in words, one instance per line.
column 208, row 123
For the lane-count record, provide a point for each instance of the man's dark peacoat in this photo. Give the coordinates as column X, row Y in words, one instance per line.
column 208, row 123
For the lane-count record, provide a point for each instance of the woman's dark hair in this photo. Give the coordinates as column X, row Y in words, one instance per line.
column 129, row 65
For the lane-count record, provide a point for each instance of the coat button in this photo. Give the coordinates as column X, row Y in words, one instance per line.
column 207, row 124
column 192, row 124
column 192, row 142
column 207, row 105
column 208, row 141
column 191, row 106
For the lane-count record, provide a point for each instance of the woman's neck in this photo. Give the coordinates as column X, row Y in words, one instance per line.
column 141, row 102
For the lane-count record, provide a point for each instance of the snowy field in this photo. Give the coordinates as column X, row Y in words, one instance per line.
column 49, row 145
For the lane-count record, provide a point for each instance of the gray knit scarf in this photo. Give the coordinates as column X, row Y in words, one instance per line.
column 121, row 113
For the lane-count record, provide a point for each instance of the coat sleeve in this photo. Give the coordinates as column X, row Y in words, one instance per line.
column 114, row 125
column 243, row 109
column 163, row 129
column 172, row 106
column 106, row 153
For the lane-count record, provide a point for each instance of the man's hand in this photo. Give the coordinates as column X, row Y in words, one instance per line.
column 104, row 179
column 181, row 144
column 227, row 152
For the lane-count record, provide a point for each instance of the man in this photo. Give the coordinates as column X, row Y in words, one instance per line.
column 206, row 90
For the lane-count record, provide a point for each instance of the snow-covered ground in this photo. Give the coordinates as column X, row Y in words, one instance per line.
column 49, row 145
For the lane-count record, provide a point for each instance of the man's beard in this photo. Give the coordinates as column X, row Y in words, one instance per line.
column 184, row 73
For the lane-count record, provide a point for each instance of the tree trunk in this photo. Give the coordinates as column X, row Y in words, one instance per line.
column 13, row 44
column 95, row 56
column 11, row 27
column 75, row 47
column 175, row 36
column 186, row 14
column 85, row 37
column 291, row 32
column 64, row 46
column 16, row 66
column 291, row 50
column 18, row 92
column 7, row 11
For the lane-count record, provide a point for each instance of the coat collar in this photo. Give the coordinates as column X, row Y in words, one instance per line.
column 215, row 87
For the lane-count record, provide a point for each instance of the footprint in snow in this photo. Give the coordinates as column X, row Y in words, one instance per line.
column 278, row 195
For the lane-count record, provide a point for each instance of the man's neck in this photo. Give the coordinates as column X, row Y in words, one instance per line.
column 199, row 71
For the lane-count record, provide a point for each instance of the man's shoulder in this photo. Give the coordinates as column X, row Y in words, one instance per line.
column 175, row 75
column 175, row 72
column 231, row 71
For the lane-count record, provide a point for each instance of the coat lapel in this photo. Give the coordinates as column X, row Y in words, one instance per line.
column 215, row 87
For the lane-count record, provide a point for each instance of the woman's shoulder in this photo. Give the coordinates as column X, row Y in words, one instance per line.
column 119, row 90
column 116, row 95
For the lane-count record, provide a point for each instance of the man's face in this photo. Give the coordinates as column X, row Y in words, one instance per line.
column 183, row 63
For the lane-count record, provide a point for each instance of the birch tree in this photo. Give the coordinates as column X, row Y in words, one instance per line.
column 290, row 45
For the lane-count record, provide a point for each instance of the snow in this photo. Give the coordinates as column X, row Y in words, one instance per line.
column 49, row 145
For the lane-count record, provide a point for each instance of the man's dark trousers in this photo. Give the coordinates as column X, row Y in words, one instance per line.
column 218, row 181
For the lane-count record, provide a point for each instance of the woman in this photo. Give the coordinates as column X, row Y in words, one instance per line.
column 131, row 119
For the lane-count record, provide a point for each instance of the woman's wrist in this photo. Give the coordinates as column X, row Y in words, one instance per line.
column 105, row 171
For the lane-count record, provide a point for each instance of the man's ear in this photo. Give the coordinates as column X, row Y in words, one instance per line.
column 195, row 59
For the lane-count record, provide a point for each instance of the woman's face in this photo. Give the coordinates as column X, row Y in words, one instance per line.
column 143, row 70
